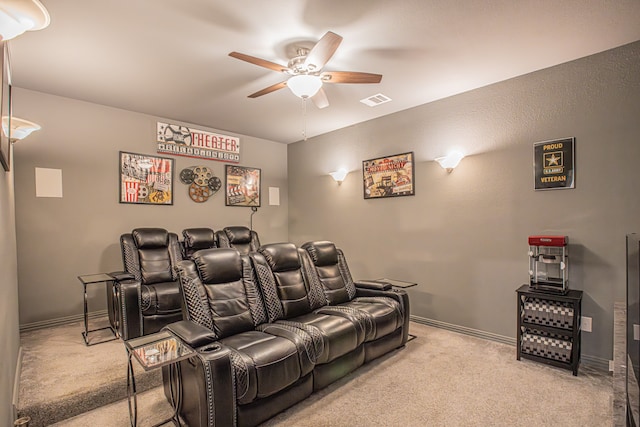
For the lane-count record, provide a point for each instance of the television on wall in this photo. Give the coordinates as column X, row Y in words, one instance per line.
column 5, row 107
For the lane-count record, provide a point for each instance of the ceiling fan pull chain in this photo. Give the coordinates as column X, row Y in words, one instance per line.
column 304, row 118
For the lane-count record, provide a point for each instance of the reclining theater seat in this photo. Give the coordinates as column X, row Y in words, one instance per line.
column 241, row 238
column 291, row 300
column 385, row 311
column 195, row 239
column 148, row 297
column 246, row 370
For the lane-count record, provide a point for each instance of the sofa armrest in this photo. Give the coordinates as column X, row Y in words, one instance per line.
column 373, row 284
column 121, row 276
column 207, row 378
column 194, row 335
column 128, row 306
column 115, row 306
column 399, row 295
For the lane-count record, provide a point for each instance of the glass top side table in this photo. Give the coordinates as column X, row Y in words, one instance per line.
column 151, row 352
column 397, row 283
column 159, row 349
column 89, row 279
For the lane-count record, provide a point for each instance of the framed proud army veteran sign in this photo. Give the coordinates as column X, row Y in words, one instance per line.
column 553, row 164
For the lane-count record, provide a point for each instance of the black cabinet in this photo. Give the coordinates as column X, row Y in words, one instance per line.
column 549, row 327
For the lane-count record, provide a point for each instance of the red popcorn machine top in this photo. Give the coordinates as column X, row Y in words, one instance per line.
column 548, row 263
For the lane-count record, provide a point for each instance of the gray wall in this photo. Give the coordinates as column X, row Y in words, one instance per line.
column 463, row 236
column 61, row 238
column 9, row 336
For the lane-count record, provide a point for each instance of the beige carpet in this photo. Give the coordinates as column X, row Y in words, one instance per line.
column 61, row 377
column 439, row 379
column 447, row 379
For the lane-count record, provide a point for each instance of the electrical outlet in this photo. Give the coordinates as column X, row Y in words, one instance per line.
column 586, row 323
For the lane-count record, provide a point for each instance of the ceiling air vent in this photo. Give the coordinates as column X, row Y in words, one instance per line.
column 375, row 100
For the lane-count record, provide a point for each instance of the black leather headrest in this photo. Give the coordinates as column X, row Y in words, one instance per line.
column 199, row 238
column 238, row 234
column 218, row 265
column 148, row 238
column 322, row 253
column 281, row 256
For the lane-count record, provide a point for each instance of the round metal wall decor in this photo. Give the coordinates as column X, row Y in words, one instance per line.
column 202, row 182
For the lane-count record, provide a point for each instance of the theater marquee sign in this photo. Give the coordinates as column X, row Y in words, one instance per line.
column 183, row 141
column 554, row 164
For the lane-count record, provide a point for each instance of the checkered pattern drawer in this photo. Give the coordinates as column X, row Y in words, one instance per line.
column 551, row 346
column 549, row 313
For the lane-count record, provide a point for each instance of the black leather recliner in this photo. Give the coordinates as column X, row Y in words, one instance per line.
column 195, row 239
column 241, row 238
column 383, row 309
column 292, row 298
column 146, row 296
column 246, row 370
column 246, row 316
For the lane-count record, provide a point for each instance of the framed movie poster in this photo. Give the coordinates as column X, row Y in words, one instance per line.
column 242, row 186
column 146, row 179
column 5, row 108
column 554, row 166
column 390, row 176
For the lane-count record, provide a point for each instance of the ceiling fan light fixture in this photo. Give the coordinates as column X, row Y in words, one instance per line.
column 304, row 85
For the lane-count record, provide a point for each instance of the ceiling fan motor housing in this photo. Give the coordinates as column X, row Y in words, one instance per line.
column 297, row 64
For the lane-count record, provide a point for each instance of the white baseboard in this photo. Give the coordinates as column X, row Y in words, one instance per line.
column 61, row 321
column 592, row 361
column 586, row 359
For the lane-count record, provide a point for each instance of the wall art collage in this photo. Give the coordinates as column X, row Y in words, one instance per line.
column 148, row 179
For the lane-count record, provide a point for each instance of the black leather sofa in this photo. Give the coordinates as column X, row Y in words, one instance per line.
column 195, row 239
column 271, row 327
column 241, row 238
column 146, row 296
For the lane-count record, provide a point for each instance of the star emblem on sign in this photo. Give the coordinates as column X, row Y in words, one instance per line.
column 553, row 160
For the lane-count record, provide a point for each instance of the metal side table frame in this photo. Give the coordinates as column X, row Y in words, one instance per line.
column 152, row 352
column 90, row 279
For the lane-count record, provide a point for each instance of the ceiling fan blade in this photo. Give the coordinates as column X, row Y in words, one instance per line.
column 258, row 61
column 322, row 51
column 269, row 89
column 320, row 99
column 350, row 77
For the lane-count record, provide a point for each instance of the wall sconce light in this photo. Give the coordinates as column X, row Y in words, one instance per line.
column 20, row 128
column 339, row 175
column 450, row 161
column 18, row 16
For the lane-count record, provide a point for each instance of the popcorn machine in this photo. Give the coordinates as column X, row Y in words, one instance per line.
column 548, row 263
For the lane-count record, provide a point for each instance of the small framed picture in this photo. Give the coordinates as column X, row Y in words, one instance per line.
column 389, row 176
column 553, row 164
column 146, row 179
column 242, row 186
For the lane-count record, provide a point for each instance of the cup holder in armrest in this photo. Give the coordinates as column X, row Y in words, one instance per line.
column 210, row 348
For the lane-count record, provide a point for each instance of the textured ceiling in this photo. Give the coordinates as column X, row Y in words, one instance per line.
column 169, row 58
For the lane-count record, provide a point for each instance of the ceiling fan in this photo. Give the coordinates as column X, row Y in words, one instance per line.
column 305, row 71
